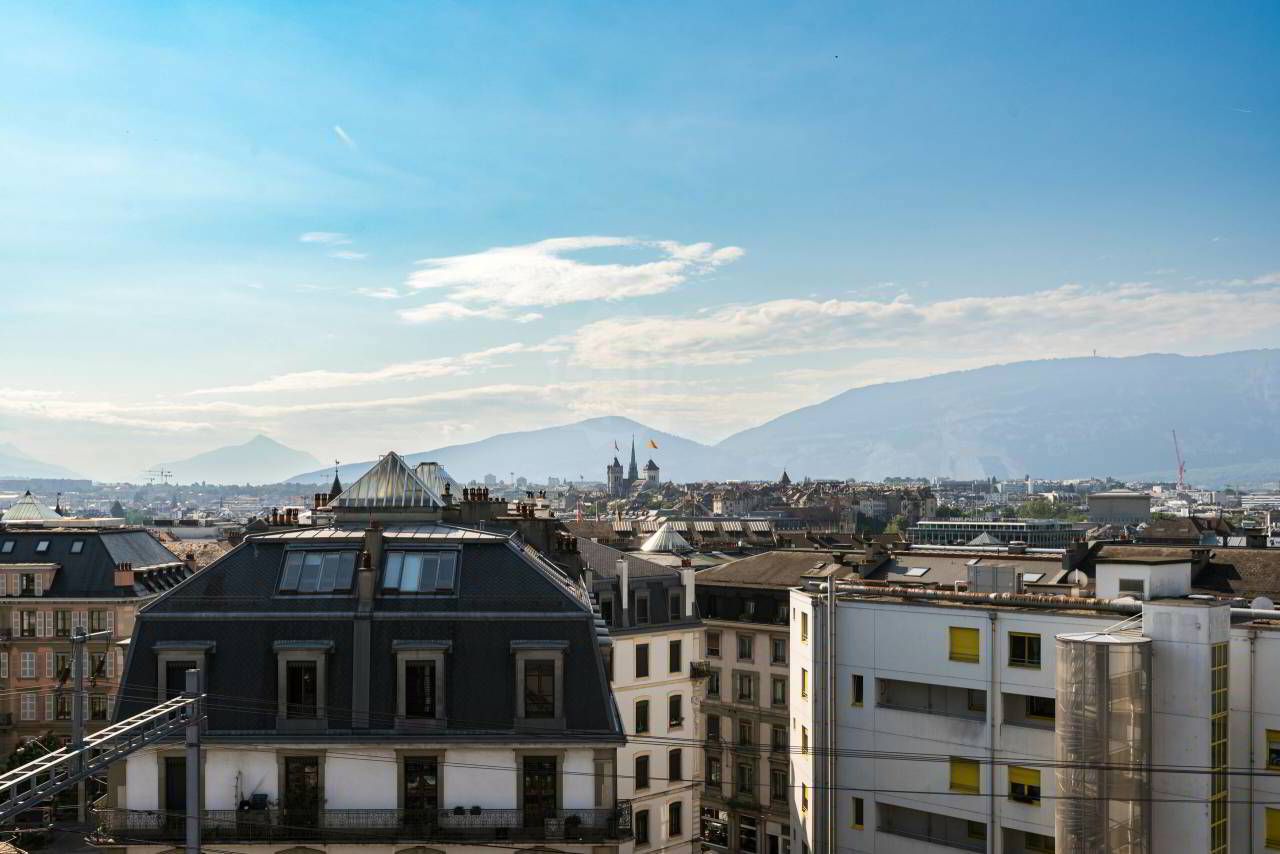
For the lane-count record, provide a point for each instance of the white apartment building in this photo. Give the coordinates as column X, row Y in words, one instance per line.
column 656, row 636
column 997, row 721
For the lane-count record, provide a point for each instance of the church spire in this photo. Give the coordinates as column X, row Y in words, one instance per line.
column 633, row 471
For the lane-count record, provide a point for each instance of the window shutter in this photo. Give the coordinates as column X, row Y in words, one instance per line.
column 964, row 644
column 48, row 706
column 39, row 584
column 1273, row 826
column 111, row 663
column 48, row 665
column 2, row 583
column 4, row 665
column 964, row 775
column 111, row 620
column 39, row 624
column 1023, row 776
column 80, row 619
column 17, row 623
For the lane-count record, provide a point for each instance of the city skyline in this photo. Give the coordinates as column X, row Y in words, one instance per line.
column 356, row 232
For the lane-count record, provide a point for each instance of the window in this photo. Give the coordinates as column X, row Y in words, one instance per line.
column 778, row 651
column 713, row 683
column 1273, row 813
column 916, row 572
column 62, row 707
column 964, row 775
column 675, row 764
column 746, row 687
column 777, row 784
column 745, row 782
column 779, row 691
column 675, row 605
column 713, row 727
column 642, row 772
column 1040, row 708
column 29, row 584
column 748, row 835
column 713, row 644
column 642, row 609
column 301, row 680
column 804, row 797
column 857, row 689
column 29, row 706
column 675, row 661
column 420, row 689
column 606, row 610
column 7, row 548
column 1036, row 843
column 1024, row 784
column 976, row 700
column 540, row 688
column 804, row 739
column 1024, row 650
column 675, row 819
column 97, row 707
column 405, row 572
column 642, row 716
column 859, row 816
column 27, row 624
column 100, row 621
column 804, row 682
column 778, row 739
column 42, row 547
column 804, row 627
column 964, row 644
column 675, row 712
column 715, row 780
column 746, row 647
column 976, row 830
column 27, row 665
column 1135, row 587
column 77, row 546
column 745, row 729
column 1273, row 748
column 641, row 827
column 62, row 624
column 420, row 787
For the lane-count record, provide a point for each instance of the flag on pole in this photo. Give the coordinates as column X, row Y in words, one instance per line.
column 615, row 445
column 652, row 444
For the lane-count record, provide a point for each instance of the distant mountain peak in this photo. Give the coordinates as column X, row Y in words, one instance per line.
column 259, row 460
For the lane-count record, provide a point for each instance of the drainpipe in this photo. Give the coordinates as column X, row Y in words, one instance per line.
column 992, row 826
column 1253, row 667
column 831, row 717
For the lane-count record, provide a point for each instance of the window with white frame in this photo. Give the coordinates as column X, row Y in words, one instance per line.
column 539, row 666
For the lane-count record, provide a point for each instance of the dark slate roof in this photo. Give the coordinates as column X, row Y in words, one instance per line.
column 602, row 560
column 91, row 573
column 1240, row 572
column 505, row 594
column 780, row 569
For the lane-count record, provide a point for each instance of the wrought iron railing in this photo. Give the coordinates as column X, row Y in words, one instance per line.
column 333, row 826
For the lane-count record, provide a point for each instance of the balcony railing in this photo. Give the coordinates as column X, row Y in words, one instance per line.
column 336, row 826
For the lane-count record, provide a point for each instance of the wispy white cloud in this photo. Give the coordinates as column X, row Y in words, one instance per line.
column 344, row 137
column 1069, row 320
column 444, row 366
column 379, row 293
column 434, row 311
column 347, row 255
column 328, row 238
column 491, row 283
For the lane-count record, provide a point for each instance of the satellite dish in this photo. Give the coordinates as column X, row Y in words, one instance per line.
column 1262, row 603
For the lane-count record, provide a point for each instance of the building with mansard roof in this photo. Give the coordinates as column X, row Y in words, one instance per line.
column 387, row 681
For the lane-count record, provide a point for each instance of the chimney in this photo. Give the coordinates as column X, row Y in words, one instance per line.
column 686, row 578
column 373, row 544
column 365, row 581
column 190, row 561
column 124, row 575
column 624, row 589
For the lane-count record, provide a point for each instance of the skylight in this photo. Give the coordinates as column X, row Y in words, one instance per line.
column 318, row 571
column 916, row 571
column 420, row 571
column 77, row 547
column 1032, row 577
column 42, row 547
column 7, row 547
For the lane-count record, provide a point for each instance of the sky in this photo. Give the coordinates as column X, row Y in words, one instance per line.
column 363, row 227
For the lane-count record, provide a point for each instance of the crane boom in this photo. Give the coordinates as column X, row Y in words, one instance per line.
column 1182, row 465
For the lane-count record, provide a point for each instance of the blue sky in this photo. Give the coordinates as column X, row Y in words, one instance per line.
column 215, row 217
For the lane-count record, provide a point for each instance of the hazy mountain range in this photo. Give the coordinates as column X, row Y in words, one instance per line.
column 260, row 460
column 1052, row 418
column 16, row 464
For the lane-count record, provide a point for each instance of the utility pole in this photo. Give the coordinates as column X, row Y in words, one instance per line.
column 194, row 777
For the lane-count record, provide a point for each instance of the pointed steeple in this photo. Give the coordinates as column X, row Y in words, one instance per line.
column 633, row 470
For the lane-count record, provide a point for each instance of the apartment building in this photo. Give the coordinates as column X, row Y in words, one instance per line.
column 743, row 701
column 384, row 683
column 650, row 612
column 1037, row 533
column 53, row 581
column 1128, row 715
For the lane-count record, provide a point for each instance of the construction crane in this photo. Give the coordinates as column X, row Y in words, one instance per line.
column 160, row 474
column 1182, row 465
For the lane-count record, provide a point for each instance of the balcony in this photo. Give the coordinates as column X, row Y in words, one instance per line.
column 700, row 669
column 356, row 826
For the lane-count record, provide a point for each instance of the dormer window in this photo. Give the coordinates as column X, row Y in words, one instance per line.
column 318, row 571
column 431, row 572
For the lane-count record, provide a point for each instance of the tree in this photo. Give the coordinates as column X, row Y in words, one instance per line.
column 32, row 750
column 117, row 509
column 897, row 525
